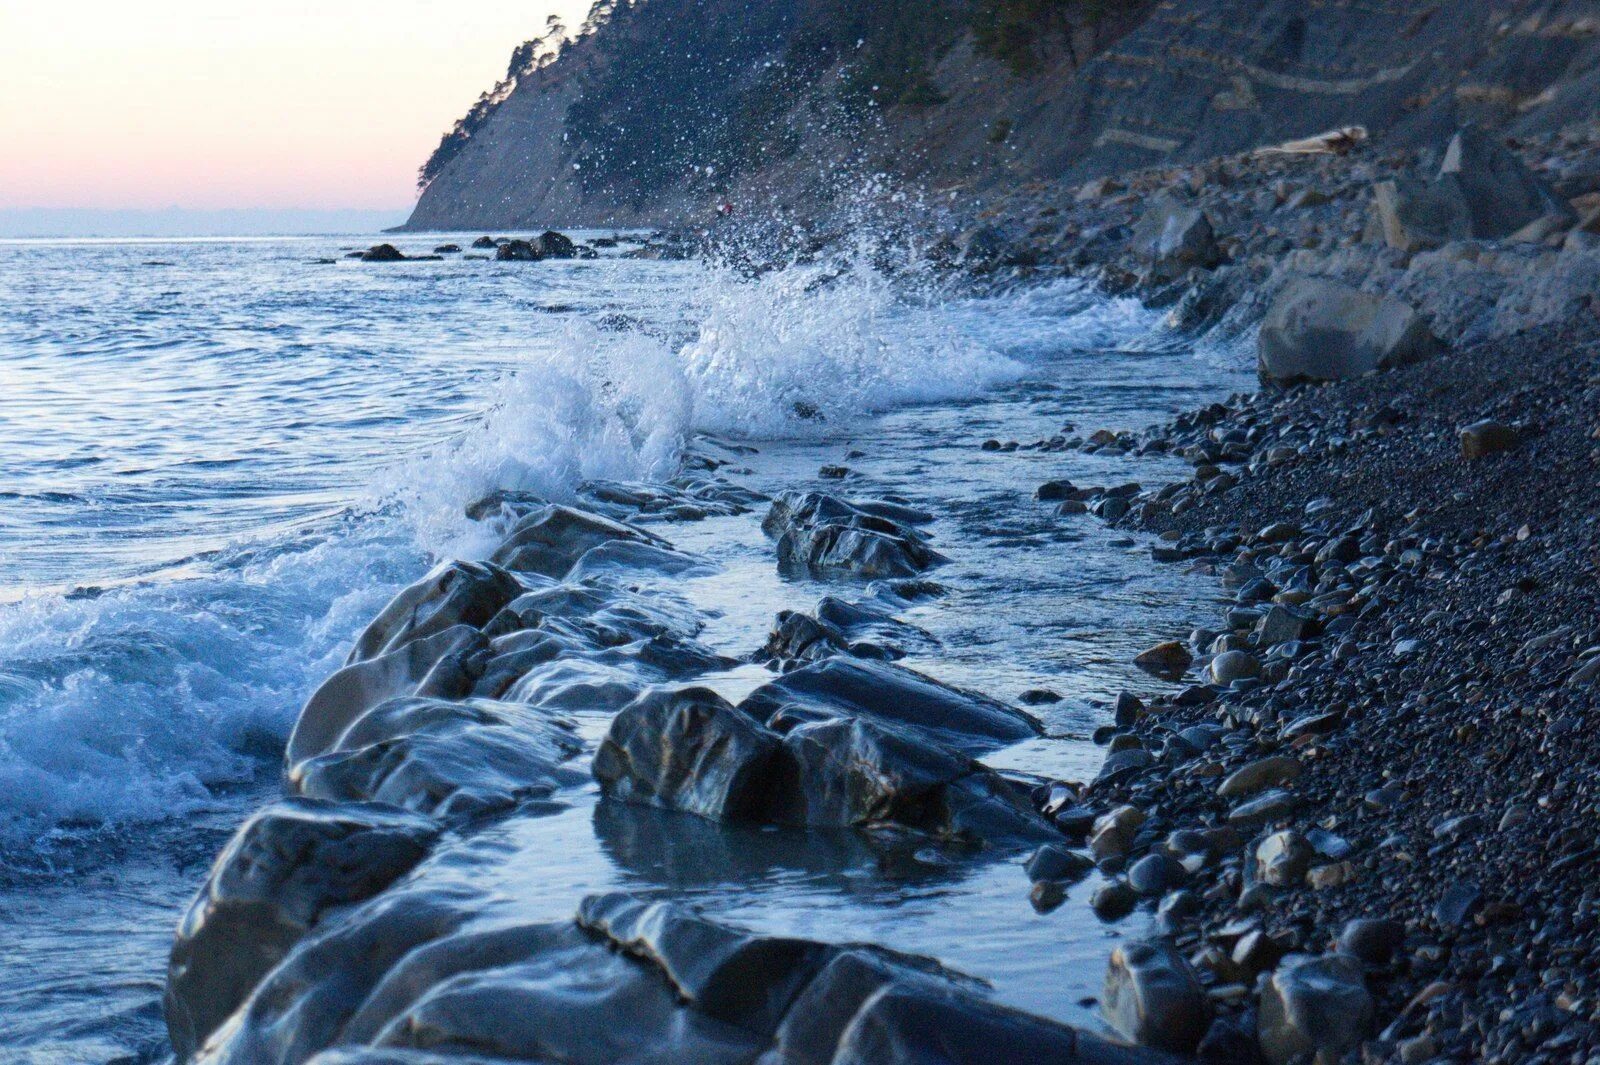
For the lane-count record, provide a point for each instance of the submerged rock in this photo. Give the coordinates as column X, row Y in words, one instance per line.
column 284, row 868
column 873, row 540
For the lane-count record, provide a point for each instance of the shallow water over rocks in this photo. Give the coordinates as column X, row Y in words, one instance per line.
column 1021, row 598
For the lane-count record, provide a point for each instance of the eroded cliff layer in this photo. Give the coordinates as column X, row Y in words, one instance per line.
column 667, row 110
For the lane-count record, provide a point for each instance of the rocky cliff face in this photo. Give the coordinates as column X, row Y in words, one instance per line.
column 670, row 108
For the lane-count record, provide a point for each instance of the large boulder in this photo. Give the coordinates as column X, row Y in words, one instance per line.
column 443, row 664
column 866, row 774
column 549, row 540
column 456, row 593
column 1154, row 998
column 284, row 868
column 869, row 539
column 1500, row 194
column 1314, row 1007
column 1176, row 237
column 449, row 759
column 1322, row 330
column 553, row 245
column 839, row 687
column 1416, row 215
column 690, row 750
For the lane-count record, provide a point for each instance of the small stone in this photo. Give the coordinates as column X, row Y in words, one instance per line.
column 1282, row 624
column 1281, row 859
column 1113, row 832
column 1038, row 697
column 1314, row 1006
column 1168, row 660
column 1156, row 874
column 1273, row 805
column 1114, row 900
column 1487, row 437
column 1373, row 940
column 1269, row 772
column 1153, row 998
column 1458, row 902
column 1046, row 895
column 1330, row 875
column 1234, row 665
column 1051, row 862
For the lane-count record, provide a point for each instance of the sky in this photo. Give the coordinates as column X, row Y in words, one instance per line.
column 215, row 104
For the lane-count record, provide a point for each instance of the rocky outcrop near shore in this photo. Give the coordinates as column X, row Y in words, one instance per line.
column 354, row 920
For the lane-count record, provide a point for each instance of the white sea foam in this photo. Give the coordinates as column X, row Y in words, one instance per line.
column 138, row 704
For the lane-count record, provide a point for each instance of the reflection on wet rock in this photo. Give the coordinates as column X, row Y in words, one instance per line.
column 457, row 593
column 549, row 540
column 842, row 687
column 283, row 869
column 867, row 539
column 834, row 759
column 839, row 627
column 629, row 979
column 688, row 750
column 448, row 759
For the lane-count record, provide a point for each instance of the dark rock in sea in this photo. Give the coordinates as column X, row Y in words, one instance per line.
column 841, row 628
column 453, row 760
column 382, row 253
column 553, row 245
column 284, row 868
column 689, row 750
column 518, row 251
column 1055, row 862
column 1321, row 330
column 825, row 533
column 845, row 688
column 868, row 773
column 447, row 249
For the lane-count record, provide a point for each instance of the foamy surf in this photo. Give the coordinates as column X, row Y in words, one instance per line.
column 138, row 703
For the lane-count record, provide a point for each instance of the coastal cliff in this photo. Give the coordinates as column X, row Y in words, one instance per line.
column 664, row 111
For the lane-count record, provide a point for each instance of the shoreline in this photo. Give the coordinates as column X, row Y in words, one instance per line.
column 1245, row 809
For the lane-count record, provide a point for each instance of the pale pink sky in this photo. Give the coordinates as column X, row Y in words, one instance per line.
column 271, row 103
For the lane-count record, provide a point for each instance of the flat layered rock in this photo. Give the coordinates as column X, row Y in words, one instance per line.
column 627, row 980
column 868, row 539
column 451, row 760
column 284, row 868
column 963, row 720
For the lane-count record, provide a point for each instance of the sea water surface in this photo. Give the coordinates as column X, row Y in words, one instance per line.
column 219, row 458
